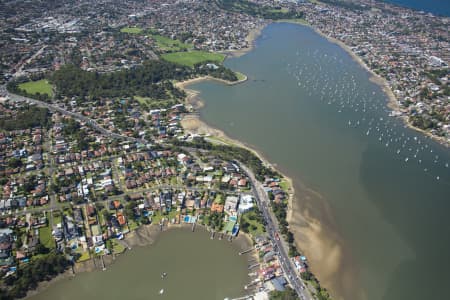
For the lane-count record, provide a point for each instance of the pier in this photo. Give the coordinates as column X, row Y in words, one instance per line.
column 246, row 251
column 103, row 263
column 251, row 284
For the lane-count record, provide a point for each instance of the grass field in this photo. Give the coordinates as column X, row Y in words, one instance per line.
column 255, row 228
column 193, row 57
column 143, row 100
column 45, row 236
column 284, row 185
column 33, row 87
column 132, row 30
column 167, row 44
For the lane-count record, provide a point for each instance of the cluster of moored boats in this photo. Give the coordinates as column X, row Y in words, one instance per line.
column 328, row 78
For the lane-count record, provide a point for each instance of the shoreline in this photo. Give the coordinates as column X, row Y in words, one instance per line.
column 392, row 102
column 250, row 38
column 308, row 226
column 143, row 236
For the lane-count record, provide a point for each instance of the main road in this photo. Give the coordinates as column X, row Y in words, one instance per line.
column 55, row 108
column 287, row 265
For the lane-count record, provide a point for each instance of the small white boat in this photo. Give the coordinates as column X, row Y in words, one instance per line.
column 161, row 291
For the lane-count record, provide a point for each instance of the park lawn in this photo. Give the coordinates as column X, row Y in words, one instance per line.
column 284, row 185
column 255, row 228
column 132, row 30
column 167, row 44
column 193, row 57
column 40, row 86
column 143, row 100
column 46, row 238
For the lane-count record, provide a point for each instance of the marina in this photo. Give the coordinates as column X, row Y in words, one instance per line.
column 363, row 179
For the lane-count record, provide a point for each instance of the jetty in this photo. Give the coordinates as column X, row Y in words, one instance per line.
column 246, row 251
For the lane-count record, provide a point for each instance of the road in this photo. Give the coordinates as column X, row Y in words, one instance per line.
column 92, row 123
column 60, row 206
column 287, row 265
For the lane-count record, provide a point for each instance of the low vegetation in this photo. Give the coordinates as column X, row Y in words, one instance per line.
column 288, row 294
column 131, row 30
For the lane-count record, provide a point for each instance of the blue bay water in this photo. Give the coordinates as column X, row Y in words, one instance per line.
column 378, row 226
column 439, row 7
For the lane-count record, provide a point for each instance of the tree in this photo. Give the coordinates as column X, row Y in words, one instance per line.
column 14, row 162
column 129, row 210
column 287, row 294
column 306, row 276
column 106, row 215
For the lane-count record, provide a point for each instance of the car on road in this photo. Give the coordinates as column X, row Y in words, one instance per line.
column 277, row 237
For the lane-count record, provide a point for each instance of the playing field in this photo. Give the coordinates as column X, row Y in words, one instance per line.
column 33, row 87
column 167, row 44
column 193, row 57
